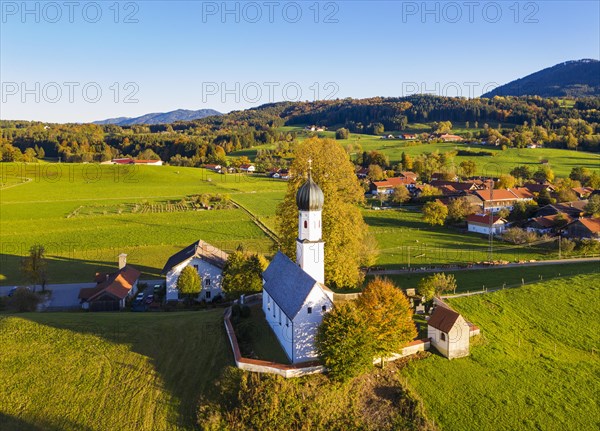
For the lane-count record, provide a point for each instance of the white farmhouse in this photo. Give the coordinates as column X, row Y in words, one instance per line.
column 480, row 223
column 449, row 332
column 294, row 297
column 206, row 259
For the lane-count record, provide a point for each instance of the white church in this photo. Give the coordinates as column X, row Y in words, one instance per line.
column 294, row 296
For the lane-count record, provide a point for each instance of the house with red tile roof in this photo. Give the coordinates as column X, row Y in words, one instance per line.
column 112, row 289
column 480, row 223
column 388, row 185
column 498, row 199
column 584, row 228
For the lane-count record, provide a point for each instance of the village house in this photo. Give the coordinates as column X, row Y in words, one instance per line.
column 456, row 185
column 204, row 258
column 480, row 223
column 573, row 209
column 549, row 224
column 215, row 168
column 449, row 332
column 388, row 185
column 409, row 136
column 361, row 173
column 130, row 161
column 247, row 168
column 584, row 228
column 536, row 188
column 409, row 174
column 446, row 137
column 294, row 296
column 112, row 290
column 583, row 192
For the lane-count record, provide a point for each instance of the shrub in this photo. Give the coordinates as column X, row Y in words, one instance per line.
column 24, row 300
column 519, row 236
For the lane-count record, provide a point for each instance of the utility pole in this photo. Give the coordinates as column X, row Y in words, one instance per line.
column 559, row 248
column 491, row 233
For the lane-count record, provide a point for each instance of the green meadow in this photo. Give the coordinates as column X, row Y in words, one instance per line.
column 108, row 371
column 86, row 215
column 500, row 162
column 535, row 365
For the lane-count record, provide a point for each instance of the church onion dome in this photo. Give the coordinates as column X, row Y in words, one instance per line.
column 310, row 196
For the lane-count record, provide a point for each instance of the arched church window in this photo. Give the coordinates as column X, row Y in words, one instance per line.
column 305, row 224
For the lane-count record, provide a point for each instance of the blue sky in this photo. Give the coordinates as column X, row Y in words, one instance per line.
column 155, row 56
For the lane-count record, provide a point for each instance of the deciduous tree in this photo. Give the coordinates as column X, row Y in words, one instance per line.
column 388, row 314
column 435, row 213
column 34, row 266
column 435, row 285
column 344, row 342
column 344, row 230
column 189, row 282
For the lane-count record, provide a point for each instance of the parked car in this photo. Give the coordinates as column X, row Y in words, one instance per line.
column 140, row 296
column 149, row 299
column 12, row 291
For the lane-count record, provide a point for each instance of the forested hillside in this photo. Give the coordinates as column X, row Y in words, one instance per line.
column 507, row 121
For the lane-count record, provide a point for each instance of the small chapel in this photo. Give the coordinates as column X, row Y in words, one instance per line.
column 295, row 298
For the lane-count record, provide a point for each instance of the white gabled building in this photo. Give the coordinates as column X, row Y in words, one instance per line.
column 480, row 223
column 206, row 259
column 449, row 332
column 294, row 296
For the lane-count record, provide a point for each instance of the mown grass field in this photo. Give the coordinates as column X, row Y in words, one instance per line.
column 83, row 215
column 107, row 371
column 404, row 238
column 535, row 365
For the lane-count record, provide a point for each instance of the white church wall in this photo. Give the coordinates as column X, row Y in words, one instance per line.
column 309, row 225
column 281, row 326
column 306, row 324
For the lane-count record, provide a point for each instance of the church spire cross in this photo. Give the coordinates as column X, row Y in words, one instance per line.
column 309, row 167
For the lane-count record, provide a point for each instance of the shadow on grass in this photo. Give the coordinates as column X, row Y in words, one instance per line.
column 188, row 351
column 64, row 269
column 10, row 423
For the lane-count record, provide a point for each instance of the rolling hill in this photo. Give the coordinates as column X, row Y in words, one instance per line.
column 161, row 117
column 579, row 78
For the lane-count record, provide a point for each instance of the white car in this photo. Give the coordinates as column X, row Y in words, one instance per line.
column 139, row 296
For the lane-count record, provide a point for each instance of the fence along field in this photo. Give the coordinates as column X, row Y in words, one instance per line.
column 86, row 215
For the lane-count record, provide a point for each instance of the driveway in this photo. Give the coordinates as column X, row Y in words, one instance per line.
column 63, row 295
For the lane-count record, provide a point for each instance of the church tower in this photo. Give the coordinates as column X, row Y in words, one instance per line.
column 310, row 248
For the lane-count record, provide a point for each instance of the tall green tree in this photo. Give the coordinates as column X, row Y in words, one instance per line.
column 189, row 283
column 34, row 266
column 344, row 342
column 435, row 213
column 435, row 285
column 242, row 273
column 344, row 231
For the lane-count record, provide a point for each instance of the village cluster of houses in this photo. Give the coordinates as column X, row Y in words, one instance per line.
column 130, row 161
column 487, row 203
column 220, row 169
column 446, row 137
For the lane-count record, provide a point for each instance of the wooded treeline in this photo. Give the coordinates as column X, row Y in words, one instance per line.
column 517, row 121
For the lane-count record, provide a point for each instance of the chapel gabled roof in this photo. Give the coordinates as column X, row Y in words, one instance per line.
column 287, row 284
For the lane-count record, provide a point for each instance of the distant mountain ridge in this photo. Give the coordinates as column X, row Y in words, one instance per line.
column 579, row 78
column 161, row 117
